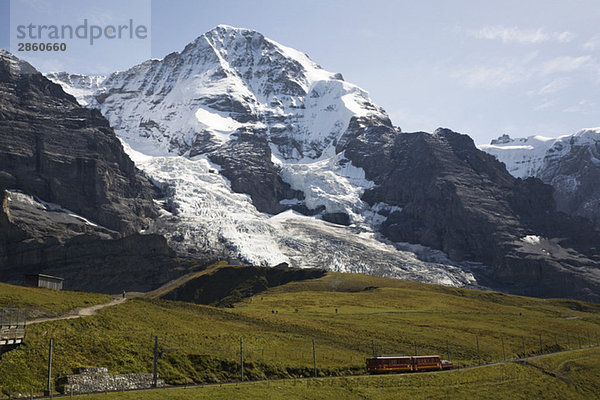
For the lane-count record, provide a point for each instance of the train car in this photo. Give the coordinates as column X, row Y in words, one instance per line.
column 427, row 363
column 447, row 364
column 388, row 364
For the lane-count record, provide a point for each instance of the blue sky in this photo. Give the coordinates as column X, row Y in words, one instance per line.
column 484, row 68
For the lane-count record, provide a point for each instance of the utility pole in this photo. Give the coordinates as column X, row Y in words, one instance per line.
column 541, row 348
column 503, row 353
column 416, row 352
column 523, row 340
column 155, row 363
column 314, row 359
column 242, row 356
column 373, row 347
column 478, row 352
column 448, row 349
column 50, row 367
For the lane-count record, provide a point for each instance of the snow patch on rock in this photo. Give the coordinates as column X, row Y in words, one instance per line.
column 532, row 239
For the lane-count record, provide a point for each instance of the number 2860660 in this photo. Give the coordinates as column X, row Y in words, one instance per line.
column 42, row 47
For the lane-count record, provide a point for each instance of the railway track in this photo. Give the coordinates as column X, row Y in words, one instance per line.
column 523, row 360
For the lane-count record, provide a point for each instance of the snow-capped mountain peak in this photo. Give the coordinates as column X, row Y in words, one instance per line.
column 228, row 80
column 570, row 163
column 525, row 157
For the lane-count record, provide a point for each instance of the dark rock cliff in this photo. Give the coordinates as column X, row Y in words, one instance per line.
column 76, row 201
column 65, row 154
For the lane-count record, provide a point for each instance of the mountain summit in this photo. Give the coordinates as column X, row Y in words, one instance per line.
column 232, row 80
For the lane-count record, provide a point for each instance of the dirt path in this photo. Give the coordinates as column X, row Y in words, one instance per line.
column 119, row 299
column 81, row 311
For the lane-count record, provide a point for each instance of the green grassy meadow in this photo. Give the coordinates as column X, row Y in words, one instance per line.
column 46, row 302
column 569, row 375
column 200, row 344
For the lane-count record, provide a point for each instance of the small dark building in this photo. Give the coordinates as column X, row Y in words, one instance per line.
column 44, row 281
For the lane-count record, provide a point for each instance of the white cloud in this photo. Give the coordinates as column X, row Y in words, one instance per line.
column 492, row 76
column 564, row 37
column 582, row 107
column 513, row 71
column 554, row 86
column 564, row 64
column 592, row 44
column 510, row 34
column 518, row 35
column 546, row 104
column 501, row 74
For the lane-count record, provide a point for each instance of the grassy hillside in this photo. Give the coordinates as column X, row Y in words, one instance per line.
column 46, row 302
column 201, row 343
column 572, row 375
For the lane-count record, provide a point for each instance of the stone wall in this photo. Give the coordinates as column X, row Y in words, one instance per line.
column 89, row 380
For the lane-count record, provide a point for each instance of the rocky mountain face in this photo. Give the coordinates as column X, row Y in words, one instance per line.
column 570, row 163
column 460, row 200
column 66, row 154
column 267, row 157
column 36, row 237
column 75, row 201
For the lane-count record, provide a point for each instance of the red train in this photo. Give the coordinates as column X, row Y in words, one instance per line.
column 386, row 364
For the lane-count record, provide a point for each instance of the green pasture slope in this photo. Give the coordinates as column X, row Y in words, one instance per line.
column 563, row 376
column 46, row 302
column 345, row 314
